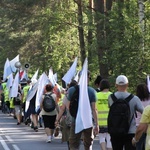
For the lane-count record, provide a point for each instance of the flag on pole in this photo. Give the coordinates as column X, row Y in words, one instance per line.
column 35, row 75
column 9, row 81
column 77, row 77
column 43, row 80
column 24, row 76
column 30, row 94
column 51, row 77
column 14, row 89
column 55, row 77
column 71, row 72
column 7, row 69
column 84, row 108
column 12, row 63
column 148, row 82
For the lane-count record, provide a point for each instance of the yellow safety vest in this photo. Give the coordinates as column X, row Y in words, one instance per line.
column 102, row 107
column 6, row 95
column 25, row 92
column 11, row 103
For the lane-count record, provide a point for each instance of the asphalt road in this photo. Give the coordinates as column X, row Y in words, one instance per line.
column 22, row 137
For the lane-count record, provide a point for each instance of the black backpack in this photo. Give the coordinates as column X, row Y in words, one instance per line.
column 49, row 103
column 119, row 116
column 73, row 108
column 17, row 100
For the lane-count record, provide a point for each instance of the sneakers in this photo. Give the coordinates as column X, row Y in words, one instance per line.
column 36, row 129
column 48, row 140
column 18, row 123
column 56, row 132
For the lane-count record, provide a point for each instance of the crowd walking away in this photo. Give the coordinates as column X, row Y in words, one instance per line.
column 79, row 113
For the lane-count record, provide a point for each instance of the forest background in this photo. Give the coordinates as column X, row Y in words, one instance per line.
column 113, row 34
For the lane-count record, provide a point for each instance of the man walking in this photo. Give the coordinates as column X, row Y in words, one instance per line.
column 120, row 141
column 86, row 133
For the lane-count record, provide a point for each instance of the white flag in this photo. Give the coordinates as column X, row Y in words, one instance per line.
column 24, row 76
column 35, row 75
column 12, row 63
column 14, row 89
column 43, row 80
column 51, row 77
column 7, row 69
column 71, row 72
column 77, row 77
column 84, row 108
column 148, row 83
column 30, row 94
column 9, row 81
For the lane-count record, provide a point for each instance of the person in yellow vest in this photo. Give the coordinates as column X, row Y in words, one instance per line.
column 24, row 95
column 12, row 108
column 6, row 105
column 2, row 95
column 103, row 109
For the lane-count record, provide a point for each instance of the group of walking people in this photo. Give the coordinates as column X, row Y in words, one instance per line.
column 100, row 101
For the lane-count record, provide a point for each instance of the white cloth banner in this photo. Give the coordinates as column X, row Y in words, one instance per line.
column 71, row 72
column 84, row 114
column 24, row 76
column 7, row 69
column 14, row 89
column 9, row 81
column 12, row 63
column 51, row 77
column 30, row 95
column 43, row 80
column 148, row 83
column 35, row 76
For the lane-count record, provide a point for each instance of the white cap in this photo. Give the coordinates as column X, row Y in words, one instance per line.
column 121, row 80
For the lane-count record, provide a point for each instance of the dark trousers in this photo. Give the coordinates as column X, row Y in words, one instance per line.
column 122, row 141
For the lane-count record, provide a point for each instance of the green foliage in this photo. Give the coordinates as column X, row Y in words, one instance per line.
column 45, row 34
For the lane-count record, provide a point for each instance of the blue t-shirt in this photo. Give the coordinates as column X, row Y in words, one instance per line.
column 91, row 93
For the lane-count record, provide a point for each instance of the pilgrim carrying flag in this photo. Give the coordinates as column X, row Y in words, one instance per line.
column 7, row 69
column 84, row 108
column 43, row 80
column 148, row 82
column 71, row 72
column 12, row 63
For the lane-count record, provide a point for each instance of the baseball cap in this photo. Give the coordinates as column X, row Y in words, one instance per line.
column 121, row 80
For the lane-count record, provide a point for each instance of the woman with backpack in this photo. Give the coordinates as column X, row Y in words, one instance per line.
column 49, row 116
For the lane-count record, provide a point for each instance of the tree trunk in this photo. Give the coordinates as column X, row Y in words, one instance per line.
column 101, row 7
column 81, row 31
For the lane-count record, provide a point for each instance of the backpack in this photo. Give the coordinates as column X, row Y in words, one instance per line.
column 73, row 108
column 17, row 100
column 119, row 116
column 49, row 103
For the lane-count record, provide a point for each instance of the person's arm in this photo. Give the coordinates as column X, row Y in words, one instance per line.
column 139, row 131
column 94, row 112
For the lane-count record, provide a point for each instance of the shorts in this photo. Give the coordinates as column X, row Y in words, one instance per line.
column 105, row 138
column 18, row 109
column 49, row 121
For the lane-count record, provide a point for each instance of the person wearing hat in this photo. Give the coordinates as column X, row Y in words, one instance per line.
column 124, row 141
